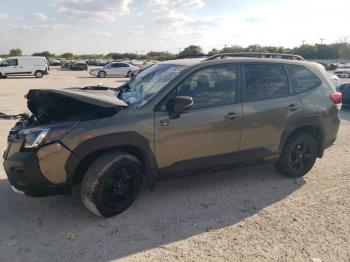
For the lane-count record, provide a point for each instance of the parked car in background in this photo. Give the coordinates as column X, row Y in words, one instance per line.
column 343, row 71
column 114, row 69
column 345, row 90
column 142, row 68
column 54, row 62
column 24, row 65
column 79, row 65
column 335, row 80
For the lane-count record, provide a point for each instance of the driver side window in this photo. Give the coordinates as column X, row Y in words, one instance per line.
column 212, row 86
column 11, row 62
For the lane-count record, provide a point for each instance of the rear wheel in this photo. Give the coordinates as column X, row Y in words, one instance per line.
column 101, row 74
column 298, row 155
column 111, row 184
column 39, row 74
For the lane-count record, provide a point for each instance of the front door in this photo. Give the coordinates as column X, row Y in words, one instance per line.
column 207, row 134
column 11, row 67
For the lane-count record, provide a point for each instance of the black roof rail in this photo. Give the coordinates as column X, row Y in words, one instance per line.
column 190, row 56
column 257, row 55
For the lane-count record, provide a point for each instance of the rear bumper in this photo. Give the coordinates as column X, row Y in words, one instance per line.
column 24, row 175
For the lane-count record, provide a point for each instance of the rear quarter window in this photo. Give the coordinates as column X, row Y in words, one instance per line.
column 302, row 79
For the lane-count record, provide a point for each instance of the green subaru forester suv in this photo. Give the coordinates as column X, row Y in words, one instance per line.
column 176, row 117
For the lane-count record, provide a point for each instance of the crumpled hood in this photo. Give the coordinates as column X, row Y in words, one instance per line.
column 103, row 98
column 50, row 105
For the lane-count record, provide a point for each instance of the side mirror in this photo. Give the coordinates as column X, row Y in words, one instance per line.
column 177, row 105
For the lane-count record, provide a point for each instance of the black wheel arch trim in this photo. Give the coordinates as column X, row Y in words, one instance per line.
column 306, row 122
column 112, row 142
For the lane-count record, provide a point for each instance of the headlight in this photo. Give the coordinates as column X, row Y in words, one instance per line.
column 35, row 137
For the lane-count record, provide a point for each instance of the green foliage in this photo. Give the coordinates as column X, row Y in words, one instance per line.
column 192, row 50
column 68, row 56
column 46, row 54
column 160, row 56
column 15, row 52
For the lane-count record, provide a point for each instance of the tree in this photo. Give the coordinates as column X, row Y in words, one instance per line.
column 67, row 56
column 192, row 50
column 46, row 54
column 214, row 51
column 160, row 56
column 344, row 51
column 15, row 52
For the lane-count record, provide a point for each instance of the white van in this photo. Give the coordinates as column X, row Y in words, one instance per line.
column 24, row 65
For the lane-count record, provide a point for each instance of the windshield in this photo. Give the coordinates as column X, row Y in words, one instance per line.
column 149, row 82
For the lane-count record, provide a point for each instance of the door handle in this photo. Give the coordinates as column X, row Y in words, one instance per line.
column 231, row 116
column 293, row 107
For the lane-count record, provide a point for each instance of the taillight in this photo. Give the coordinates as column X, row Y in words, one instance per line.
column 337, row 99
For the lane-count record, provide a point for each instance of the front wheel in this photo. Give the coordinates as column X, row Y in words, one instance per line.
column 111, row 184
column 298, row 155
column 101, row 74
column 129, row 74
column 39, row 74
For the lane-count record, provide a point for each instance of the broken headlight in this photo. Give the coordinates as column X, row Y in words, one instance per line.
column 35, row 137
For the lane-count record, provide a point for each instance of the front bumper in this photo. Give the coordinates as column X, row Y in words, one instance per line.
column 93, row 73
column 24, row 174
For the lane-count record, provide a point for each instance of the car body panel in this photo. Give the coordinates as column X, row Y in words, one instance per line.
column 197, row 133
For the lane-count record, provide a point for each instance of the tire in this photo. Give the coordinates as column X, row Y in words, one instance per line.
column 39, row 74
column 298, row 155
column 111, row 184
column 101, row 74
column 129, row 74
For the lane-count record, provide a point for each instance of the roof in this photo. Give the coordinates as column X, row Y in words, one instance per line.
column 196, row 61
column 185, row 62
column 26, row 57
column 258, row 55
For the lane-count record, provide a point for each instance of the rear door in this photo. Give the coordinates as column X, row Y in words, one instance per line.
column 114, row 70
column 207, row 134
column 124, row 69
column 268, row 108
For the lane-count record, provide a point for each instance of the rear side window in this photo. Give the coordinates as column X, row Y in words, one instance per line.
column 264, row 81
column 303, row 80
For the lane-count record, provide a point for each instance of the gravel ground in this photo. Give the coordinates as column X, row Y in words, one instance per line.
column 250, row 214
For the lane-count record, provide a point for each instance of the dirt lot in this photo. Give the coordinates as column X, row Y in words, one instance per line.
column 250, row 214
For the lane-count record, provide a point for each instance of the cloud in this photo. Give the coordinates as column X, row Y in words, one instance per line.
column 253, row 19
column 40, row 16
column 53, row 27
column 103, row 34
column 3, row 16
column 178, row 4
column 93, row 9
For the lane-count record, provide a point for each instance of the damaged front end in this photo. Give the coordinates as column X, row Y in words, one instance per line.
column 34, row 156
column 53, row 107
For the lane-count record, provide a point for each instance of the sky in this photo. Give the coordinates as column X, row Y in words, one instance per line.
column 104, row 26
